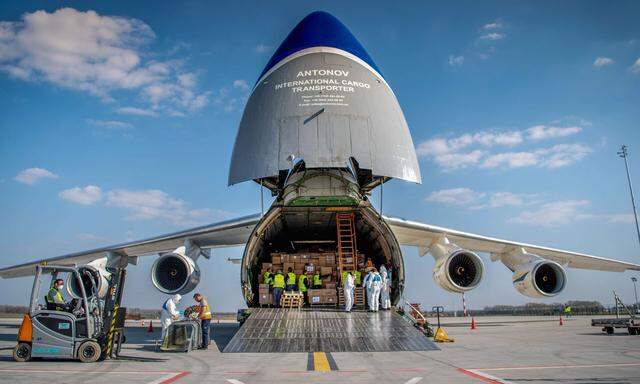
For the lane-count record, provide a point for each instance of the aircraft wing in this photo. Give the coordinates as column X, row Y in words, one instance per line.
column 423, row 235
column 222, row 234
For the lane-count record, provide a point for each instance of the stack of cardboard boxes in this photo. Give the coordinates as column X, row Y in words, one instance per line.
column 264, row 294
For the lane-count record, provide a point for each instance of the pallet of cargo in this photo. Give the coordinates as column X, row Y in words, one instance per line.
column 292, row 300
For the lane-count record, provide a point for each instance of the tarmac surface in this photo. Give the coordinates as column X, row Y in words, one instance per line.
column 500, row 350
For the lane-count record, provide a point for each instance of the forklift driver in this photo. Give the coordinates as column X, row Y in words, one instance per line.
column 54, row 299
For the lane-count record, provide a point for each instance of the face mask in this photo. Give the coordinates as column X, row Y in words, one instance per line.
column 60, row 287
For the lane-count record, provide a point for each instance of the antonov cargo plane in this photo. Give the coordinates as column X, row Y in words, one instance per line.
column 321, row 130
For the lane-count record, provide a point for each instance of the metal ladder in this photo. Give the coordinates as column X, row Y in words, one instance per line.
column 347, row 248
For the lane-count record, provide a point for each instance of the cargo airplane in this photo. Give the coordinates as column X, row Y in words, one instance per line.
column 322, row 129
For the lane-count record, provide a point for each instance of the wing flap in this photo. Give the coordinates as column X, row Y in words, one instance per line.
column 222, row 234
column 423, row 235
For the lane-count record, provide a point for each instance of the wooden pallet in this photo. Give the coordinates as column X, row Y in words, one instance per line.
column 292, row 300
column 358, row 297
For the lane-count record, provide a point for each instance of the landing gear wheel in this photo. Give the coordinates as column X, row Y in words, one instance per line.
column 89, row 352
column 22, row 352
column 609, row 330
column 633, row 331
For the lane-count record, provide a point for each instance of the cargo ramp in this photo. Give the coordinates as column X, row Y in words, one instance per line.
column 316, row 330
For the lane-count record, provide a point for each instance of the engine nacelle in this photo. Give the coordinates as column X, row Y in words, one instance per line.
column 540, row 278
column 457, row 270
column 95, row 280
column 175, row 272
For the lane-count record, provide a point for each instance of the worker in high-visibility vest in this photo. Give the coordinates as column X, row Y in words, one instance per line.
column 291, row 280
column 54, row 299
column 204, row 314
column 317, row 281
column 303, row 284
column 278, row 287
column 267, row 278
column 358, row 278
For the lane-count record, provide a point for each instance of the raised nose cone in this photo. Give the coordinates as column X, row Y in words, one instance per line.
column 319, row 29
column 321, row 99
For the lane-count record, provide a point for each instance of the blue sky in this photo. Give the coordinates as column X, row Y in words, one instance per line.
column 118, row 121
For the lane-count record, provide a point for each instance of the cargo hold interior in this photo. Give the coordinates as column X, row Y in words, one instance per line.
column 300, row 230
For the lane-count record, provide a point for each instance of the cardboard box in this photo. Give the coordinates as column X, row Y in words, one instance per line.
column 315, row 296
column 286, row 266
column 330, row 286
column 264, row 298
column 324, row 271
column 266, row 266
column 262, row 287
column 305, row 257
column 276, row 267
column 294, row 258
column 276, row 258
column 298, row 265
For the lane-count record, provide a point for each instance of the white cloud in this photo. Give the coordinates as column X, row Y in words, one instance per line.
column 456, row 196
column 88, row 195
column 635, row 68
column 110, row 124
column 564, row 212
column 480, row 200
column 492, row 36
column 493, row 25
column 262, row 48
column 458, row 152
column 551, row 214
column 136, row 111
column 456, row 60
column 543, row 132
column 156, row 204
column 602, row 62
column 241, row 84
column 97, row 54
column 32, row 176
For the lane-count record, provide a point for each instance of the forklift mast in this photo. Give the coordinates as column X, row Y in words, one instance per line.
column 113, row 314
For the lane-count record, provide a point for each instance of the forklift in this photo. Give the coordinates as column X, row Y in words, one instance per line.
column 90, row 330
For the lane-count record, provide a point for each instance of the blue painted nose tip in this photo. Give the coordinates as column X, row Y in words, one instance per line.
column 319, row 29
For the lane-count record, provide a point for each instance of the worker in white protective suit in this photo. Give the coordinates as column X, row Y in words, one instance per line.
column 169, row 313
column 385, row 289
column 376, row 286
column 349, row 285
column 368, row 288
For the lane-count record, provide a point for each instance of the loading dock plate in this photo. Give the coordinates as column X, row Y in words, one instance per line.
column 284, row 330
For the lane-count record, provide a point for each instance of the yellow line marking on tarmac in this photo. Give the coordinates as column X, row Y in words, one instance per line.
column 320, row 362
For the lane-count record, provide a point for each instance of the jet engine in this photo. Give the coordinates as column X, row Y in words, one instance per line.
column 457, row 269
column 95, row 280
column 175, row 272
column 539, row 278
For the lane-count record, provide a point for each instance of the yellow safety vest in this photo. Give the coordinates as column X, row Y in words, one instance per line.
column 55, row 297
column 291, row 278
column 278, row 281
column 302, row 283
column 358, row 278
column 205, row 310
column 267, row 279
column 316, row 280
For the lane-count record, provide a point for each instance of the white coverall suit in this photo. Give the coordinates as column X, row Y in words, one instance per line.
column 385, row 290
column 169, row 312
column 349, row 284
column 376, row 285
column 368, row 288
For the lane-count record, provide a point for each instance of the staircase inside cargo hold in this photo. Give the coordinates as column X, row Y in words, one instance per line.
column 347, row 248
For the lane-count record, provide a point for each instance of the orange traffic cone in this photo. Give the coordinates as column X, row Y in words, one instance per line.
column 150, row 329
column 561, row 322
column 473, row 323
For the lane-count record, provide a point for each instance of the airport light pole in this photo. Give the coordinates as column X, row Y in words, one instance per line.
column 635, row 293
column 624, row 153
